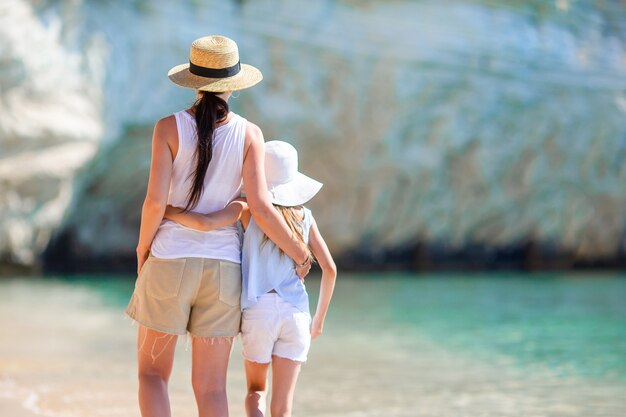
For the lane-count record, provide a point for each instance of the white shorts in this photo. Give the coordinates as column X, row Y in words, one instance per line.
column 275, row 327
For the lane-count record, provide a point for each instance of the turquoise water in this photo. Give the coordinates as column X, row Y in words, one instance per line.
column 476, row 345
column 572, row 323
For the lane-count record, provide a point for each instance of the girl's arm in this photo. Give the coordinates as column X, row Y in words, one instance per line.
column 165, row 132
column 329, row 274
column 211, row 221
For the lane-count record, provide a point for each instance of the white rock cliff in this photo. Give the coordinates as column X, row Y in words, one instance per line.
column 455, row 124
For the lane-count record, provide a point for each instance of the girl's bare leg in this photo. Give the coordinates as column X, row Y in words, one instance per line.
column 284, row 377
column 256, row 377
column 155, row 357
column 208, row 375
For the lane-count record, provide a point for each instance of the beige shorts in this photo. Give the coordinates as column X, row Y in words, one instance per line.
column 196, row 295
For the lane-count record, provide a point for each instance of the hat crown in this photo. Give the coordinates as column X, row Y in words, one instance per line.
column 281, row 162
column 215, row 52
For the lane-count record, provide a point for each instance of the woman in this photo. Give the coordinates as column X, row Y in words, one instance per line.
column 190, row 281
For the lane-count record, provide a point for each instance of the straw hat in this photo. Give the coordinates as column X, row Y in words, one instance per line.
column 214, row 66
column 287, row 186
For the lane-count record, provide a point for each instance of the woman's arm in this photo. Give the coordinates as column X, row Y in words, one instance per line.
column 206, row 222
column 158, row 185
column 329, row 274
column 268, row 219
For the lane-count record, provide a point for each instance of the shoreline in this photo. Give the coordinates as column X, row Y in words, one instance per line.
column 127, row 267
column 523, row 257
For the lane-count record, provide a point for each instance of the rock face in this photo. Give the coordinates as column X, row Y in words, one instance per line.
column 50, row 125
column 451, row 126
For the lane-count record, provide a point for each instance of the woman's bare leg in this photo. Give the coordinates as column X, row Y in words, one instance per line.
column 208, row 375
column 155, row 357
column 256, row 397
column 284, row 377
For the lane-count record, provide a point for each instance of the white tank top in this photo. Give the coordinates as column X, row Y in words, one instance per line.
column 222, row 184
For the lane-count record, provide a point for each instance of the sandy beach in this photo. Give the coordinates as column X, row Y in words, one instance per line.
column 15, row 408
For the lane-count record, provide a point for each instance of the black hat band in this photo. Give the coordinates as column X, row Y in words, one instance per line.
column 213, row 72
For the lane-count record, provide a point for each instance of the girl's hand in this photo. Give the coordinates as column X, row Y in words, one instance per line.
column 171, row 211
column 317, row 326
column 243, row 202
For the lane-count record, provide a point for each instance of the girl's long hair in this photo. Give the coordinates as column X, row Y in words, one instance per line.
column 290, row 214
column 210, row 110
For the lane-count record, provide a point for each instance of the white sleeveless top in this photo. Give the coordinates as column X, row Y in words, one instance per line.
column 222, row 184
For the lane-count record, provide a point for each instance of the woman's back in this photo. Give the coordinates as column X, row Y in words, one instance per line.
column 222, row 184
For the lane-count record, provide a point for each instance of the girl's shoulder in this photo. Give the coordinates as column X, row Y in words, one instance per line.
column 307, row 218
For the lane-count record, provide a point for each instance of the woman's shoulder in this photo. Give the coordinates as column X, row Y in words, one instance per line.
column 170, row 119
column 252, row 128
column 165, row 127
column 167, row 120
column 253, row 134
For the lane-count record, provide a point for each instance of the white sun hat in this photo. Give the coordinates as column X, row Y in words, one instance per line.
column 286, row 185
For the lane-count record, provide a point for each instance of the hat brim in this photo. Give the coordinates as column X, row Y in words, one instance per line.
column 296, row 192
column 247, row 77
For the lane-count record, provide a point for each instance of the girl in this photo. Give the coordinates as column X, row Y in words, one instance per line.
column 274, row 301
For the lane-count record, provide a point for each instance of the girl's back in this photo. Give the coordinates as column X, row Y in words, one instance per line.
column 266, row 268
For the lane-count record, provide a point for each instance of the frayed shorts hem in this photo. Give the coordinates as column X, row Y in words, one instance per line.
column 158, row 328
column 255, row 361
column 266, row 362
column 177, row 332
column 299, row 360
column 219, row 334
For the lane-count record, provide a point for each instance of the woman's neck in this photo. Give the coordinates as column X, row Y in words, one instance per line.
column 229, row 116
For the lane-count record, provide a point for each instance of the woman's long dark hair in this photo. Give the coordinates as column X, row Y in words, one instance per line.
column 210, row 110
